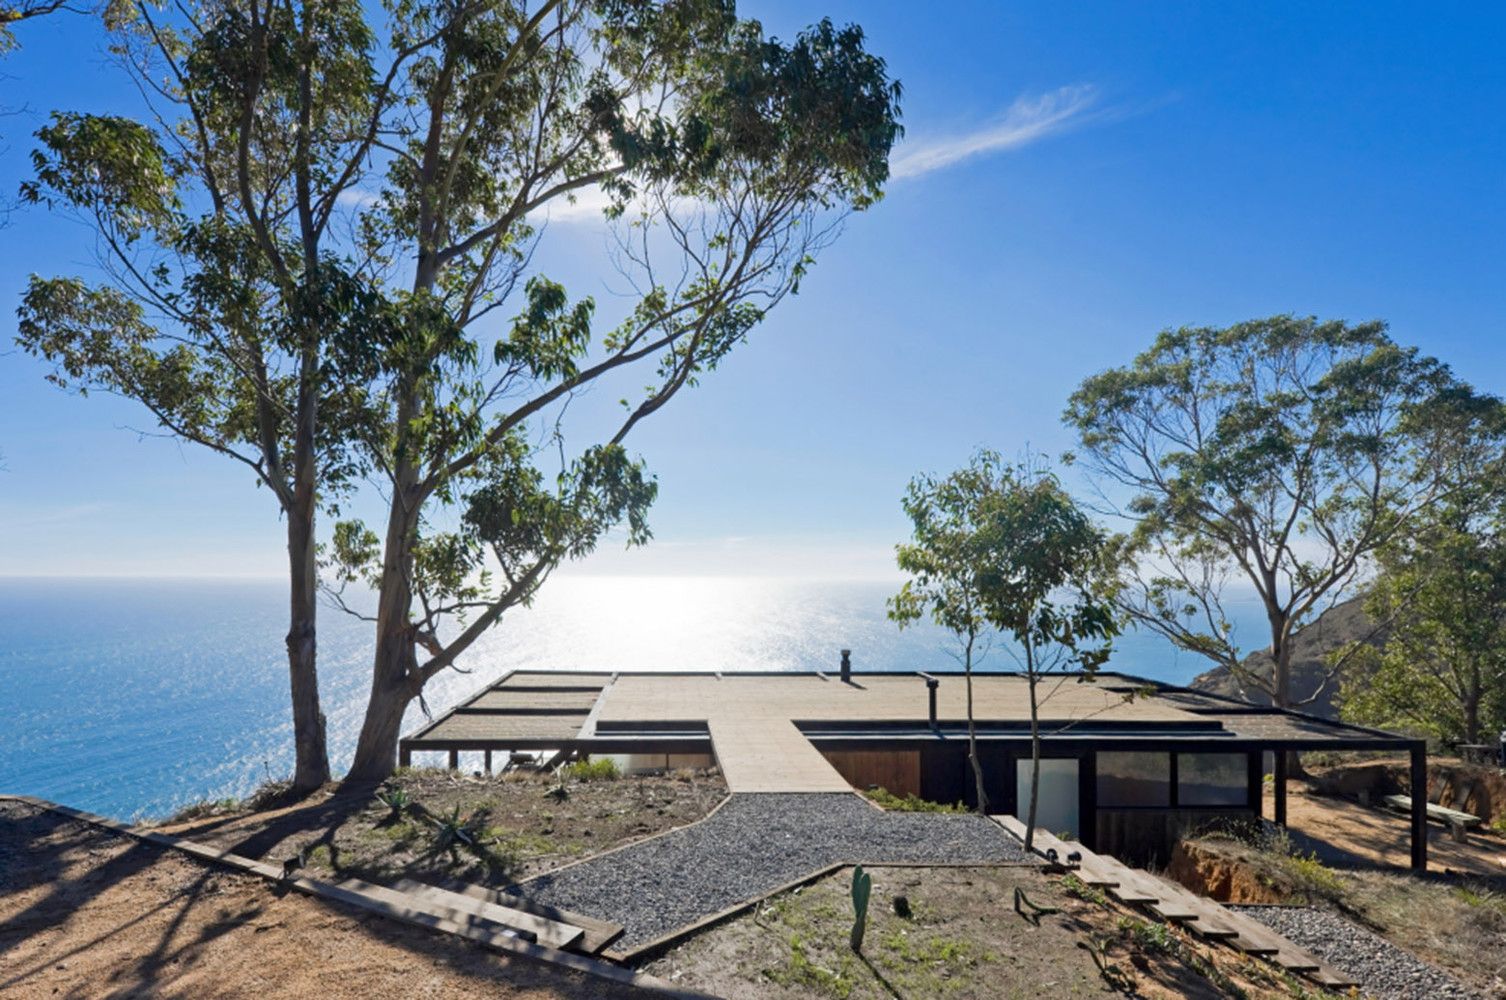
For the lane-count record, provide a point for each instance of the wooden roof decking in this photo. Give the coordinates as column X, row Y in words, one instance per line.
column 888, row 698
column 762, row 726
column 519, row 708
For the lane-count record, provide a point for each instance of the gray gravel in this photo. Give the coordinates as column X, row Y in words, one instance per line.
column 752, row 844
column 1383, row 970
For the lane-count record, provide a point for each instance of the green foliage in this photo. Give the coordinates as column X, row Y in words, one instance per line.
column 451, row 835
column 1117, row 979
column 396, row 799
column 1441, row 594
column 802, row 971
column 862, row 890
column 998, row 548
column 1077, row 888
column 1281, row 452
column 317, row 222
column 1153, row 939
column 600, row 769
column 1007, row 548
column 911, row 803
column 205, row 810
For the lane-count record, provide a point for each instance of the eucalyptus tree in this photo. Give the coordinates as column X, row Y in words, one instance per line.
column 13, row 12
column 1001, row 550
column 227, row 305
column 311, row 253
column 1280, row 453
column 1441, row 594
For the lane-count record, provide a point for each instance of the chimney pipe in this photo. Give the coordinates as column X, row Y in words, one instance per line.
column 932, row 683
column 846, row 666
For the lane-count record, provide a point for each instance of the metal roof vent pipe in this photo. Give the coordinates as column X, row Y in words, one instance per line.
column 846, row 666
column 932, row 683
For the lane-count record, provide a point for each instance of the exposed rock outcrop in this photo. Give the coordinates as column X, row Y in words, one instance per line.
column 1338, row 626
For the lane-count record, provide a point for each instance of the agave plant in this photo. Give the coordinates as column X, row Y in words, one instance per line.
column 396, row 799
column 452, row 834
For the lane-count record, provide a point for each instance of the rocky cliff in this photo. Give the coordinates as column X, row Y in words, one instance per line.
column 1339, row 625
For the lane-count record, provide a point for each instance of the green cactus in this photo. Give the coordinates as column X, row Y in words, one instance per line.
column 862, row 888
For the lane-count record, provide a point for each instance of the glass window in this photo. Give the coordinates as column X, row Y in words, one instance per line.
column 1213, row 779
column 1134, row 779
column 1056, row 804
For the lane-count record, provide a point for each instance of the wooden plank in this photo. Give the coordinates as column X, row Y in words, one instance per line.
column 546, row 931
column 1442, row 814
column 598, row 933
column 1093, row 869
column 1175, row 903
column 361, row 895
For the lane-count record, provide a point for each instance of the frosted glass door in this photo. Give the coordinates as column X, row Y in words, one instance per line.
column 1056, row 809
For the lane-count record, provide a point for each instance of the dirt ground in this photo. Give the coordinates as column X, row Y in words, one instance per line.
column 1355, row 860
column 524, row 827
column 1349, row 835
column 85, row 913
column 963, row 939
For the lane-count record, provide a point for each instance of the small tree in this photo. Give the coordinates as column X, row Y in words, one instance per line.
column 1281, row 452
column 1441, row 595
column 1000, row 548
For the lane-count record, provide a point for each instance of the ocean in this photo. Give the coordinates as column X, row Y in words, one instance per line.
column 134, row 697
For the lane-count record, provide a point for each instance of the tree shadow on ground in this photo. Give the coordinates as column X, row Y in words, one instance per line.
column 35, row 845
column 169, row 920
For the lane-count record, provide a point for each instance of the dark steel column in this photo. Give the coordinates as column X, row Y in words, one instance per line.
column 1420, row 806
column 1280, row 776
column 1256, row 782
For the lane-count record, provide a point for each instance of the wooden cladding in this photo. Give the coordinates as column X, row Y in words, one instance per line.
column 897, row 771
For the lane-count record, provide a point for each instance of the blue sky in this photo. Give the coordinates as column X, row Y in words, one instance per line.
column 1073, row 180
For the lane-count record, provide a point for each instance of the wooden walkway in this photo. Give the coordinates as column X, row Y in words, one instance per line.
column 761, row 754
column 1173, row 903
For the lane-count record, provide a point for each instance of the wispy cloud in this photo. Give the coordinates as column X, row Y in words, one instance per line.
column 1031, row 118
column 20, row 518
column 357, row 198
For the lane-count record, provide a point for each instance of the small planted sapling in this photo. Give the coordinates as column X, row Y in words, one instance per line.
column 862, row 888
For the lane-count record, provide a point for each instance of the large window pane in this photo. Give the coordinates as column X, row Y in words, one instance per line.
column 1213, row 779
column 1056, row 804
column 1134, row 779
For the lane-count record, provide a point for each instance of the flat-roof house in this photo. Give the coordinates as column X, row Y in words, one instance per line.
column 1128, row 764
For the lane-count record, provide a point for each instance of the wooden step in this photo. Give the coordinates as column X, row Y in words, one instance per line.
column 598, row 933
column 465, row 909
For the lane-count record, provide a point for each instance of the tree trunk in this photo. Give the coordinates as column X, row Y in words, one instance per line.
column 395, row 674
column 972, row 738
column 311, row 766
column 391, row 693
column 1281, row 687
column 1472, row 709
column 1035, row 765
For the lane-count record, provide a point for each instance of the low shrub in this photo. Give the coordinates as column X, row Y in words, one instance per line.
column 886, row 799
column 600, row 769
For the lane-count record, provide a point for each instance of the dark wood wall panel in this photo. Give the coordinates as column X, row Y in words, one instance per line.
column 898, row 771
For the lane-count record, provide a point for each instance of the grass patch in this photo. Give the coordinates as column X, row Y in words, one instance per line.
column 886, row 799
column 1078, row 889
column 600, row 769
column 205, row 810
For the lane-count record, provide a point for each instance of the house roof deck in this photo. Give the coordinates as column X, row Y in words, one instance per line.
column 764, row 728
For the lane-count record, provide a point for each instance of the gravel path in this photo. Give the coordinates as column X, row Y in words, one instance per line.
column 1383, row 970
column 752, row 844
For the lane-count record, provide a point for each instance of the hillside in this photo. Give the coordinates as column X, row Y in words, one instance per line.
column 1343, row 623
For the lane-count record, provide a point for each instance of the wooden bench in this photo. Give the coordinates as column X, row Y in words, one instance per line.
column 1457, row 822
